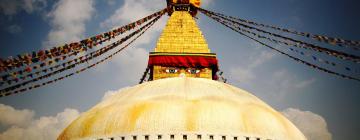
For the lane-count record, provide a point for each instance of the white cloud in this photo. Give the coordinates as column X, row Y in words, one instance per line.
column 12, row 7
column 312, row 125
column 131, row 63
column 110, row 93
column 303, row 84
column 11, row 116
column 68, row 19
column 245, row 73
column 241, row 74
column 284, row 83
column 271, row 85
column 22, row 124
column 133, row 10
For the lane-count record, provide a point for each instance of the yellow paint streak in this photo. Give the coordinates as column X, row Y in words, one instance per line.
column 88, row 123
column 256, row 112
column 191, row 116
column 135, row 112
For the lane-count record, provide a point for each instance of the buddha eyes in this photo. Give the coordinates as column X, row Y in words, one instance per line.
column 193, row 71
column 171, row 70
column 176, row 70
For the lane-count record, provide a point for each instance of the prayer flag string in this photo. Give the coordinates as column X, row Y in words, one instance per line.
column 8, row 91
column 78, row 60
column 321, row 38
column 289, row 44
column 309, row 46
column 222, row 78
column 315, row 58
column 60, row 52
column 281, row 52
column 143, row 78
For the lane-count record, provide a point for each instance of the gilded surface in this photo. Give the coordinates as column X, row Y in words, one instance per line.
column 179, row 105
column 164, row 72
column 182, row 35
column 193, row 2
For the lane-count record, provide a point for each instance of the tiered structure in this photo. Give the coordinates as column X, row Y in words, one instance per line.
column 182, row 49
column 184, row 101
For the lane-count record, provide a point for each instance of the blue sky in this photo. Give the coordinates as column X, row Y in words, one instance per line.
column 325, row 103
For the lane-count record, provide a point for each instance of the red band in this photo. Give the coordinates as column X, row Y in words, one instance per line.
column 184, row 61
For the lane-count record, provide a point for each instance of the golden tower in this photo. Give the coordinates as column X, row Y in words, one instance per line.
column 182, row 49
column 184, row 102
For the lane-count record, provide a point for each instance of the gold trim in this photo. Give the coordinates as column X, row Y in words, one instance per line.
column 181, row 54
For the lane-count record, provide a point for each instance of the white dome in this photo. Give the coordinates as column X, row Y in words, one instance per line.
column 182, row 106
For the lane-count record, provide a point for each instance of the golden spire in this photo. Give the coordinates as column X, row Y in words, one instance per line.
column 182, row 35
column 182, row 49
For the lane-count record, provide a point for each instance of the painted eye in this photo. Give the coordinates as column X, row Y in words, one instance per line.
column 193, row 71
column 171, row 70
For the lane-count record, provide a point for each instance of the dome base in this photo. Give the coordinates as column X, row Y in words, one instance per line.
column 182, row 106
column 184, row 136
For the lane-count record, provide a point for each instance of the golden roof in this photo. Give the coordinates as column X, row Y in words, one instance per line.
column 178, row 106
column 182, row 35
column 196, row 3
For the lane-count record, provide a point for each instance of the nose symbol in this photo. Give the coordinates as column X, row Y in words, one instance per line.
column 182, row 75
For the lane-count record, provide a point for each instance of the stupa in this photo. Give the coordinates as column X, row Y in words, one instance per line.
column 184, row 100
